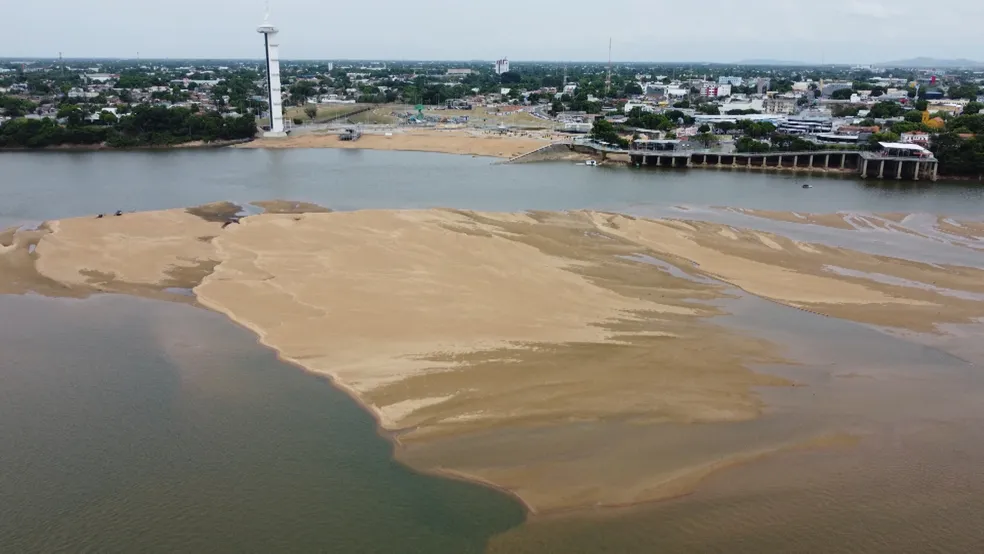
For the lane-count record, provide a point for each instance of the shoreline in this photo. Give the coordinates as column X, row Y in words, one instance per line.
column 101, row 147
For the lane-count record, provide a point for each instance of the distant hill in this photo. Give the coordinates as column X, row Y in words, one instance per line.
column 930, row 63
column 769, row 62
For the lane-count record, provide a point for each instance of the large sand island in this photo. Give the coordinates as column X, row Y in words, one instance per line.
column 557, row 356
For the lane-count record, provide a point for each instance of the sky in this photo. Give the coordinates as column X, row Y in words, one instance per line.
column 831, row 31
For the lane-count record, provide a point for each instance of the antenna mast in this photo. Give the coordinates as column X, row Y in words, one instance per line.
column 608, row 79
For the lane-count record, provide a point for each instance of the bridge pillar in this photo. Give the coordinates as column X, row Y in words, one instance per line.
column 881, row 170
column 864, row 168
column 915, row 176
column 936, row 166
column 749, row 161
column 796, row 160
column 898, row 173
column 843, row 160
column 810, row 165
column 826, row 161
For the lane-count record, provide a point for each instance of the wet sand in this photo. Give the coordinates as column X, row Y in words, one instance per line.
column 448, row 142
column 552, row 355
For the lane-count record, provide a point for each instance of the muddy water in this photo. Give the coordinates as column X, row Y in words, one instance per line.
column 131, row 425
column 911, row 480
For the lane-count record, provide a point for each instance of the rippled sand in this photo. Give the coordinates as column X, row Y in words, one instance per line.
column 576, row 360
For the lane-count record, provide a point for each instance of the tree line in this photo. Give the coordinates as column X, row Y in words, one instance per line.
column 144, row 126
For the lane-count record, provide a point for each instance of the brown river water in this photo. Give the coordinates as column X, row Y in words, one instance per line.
column 138, row 425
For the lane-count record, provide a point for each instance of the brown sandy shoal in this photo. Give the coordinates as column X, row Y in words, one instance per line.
column 448, row 142
column 488, row 342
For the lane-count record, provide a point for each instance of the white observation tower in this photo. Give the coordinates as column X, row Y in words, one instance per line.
column 272, row 45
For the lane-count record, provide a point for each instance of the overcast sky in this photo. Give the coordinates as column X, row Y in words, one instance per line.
column 834, row 31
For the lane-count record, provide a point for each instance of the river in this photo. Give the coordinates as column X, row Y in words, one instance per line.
column 138, row 425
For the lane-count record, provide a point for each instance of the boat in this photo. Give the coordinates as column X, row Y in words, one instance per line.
column 591, row 163
column 807, row 186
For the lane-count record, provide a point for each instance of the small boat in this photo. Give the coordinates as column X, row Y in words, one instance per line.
column 591, row 163
column 808, row 186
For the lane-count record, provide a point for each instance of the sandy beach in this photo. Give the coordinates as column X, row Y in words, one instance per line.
column 529, row 351
column 453, row 141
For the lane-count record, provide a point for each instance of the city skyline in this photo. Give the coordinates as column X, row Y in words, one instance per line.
column 837, row 32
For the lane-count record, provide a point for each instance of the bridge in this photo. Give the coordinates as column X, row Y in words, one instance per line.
column 867, row 164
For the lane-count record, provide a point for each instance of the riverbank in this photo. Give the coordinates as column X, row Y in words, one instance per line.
column 601, row 334
column 453, row 141
column 197, row 144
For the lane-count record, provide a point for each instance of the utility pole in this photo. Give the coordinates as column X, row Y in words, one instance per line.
column 608, row 79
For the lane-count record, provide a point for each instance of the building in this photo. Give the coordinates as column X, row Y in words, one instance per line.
column 274, row 96
column 459, row 72
column 733, row 81
column 501, row 66
column 916, row 137
column 830, row 88
column 715, row 91
column 779, row 105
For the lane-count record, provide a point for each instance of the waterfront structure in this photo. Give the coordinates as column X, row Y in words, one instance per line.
column 272, row 47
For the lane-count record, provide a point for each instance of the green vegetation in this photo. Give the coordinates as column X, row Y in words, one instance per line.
column 751, row 146
column 959, row 156
column 146, row 126
column 16, row 107
column 604, row 131
column 884, row 110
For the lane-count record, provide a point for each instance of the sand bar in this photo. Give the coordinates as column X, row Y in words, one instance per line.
column 530, row 351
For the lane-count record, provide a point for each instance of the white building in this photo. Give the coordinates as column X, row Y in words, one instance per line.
column 272, row 46
column 501, row 66
column 715, row 91
column 915, row 137
column 733, row 81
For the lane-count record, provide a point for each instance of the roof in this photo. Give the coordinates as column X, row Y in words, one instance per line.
column 901, row 146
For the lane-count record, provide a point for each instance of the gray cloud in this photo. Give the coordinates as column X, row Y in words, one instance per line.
column 842, row 31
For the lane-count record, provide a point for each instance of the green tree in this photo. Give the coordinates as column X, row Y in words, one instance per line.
column 632, row 88
column 883, row 110
column 705, row 139
column 311, row 111
column 884, row 136
column 972, row 108
column 604, row 131
column 704, row 128
column 842, row 94
column 913, row 116
column 750, row 145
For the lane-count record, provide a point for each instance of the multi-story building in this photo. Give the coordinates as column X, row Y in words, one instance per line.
column 733, row 81
column 779, row 105
column 715, row 91
column 501, row 66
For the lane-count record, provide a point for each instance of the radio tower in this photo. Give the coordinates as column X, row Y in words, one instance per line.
column 608, row 78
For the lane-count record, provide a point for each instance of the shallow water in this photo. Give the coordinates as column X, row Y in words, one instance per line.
column 912, row 483
column 139, row 426
column 46, row 185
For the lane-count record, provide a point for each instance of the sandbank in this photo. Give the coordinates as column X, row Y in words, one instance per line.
column 532, row 351
column 473, row 143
